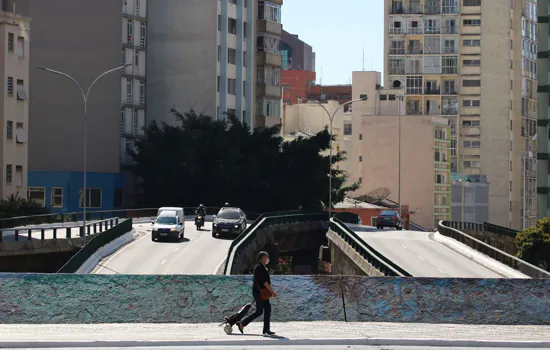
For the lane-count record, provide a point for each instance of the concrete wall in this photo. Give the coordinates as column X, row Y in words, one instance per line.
column 50, row 299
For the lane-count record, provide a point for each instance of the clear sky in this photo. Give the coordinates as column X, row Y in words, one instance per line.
column 338, row 30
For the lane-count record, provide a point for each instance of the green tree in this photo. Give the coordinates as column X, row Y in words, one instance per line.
column 14, row 206
column 209, row 161
column 534, row 244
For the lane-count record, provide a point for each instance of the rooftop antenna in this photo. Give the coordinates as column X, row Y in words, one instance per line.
column 363, row 58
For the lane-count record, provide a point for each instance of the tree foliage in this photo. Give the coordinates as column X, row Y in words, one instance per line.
column 209, row 161
column 14, row 206
column 534, row 244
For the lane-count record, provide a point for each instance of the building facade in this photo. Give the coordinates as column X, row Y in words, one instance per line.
column 14, row 104
column 201, row 57
column 268, row 63
column 463, row 61
column 469, row 198
column 296, row 54
column 543, row 165
column 424, row 142
column 116, row 107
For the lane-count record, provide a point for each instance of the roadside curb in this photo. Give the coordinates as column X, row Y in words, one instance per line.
column 90, row 265
column 281, row 342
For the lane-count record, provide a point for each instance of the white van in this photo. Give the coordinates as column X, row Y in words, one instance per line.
column 170, row 223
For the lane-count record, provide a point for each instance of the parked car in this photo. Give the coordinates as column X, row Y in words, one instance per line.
column 170, row 223
column 389, row 218
column 229, row 221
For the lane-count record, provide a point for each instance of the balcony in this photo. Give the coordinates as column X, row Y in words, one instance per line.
column 450, row 50
column 414, row 110
column 449, row 30
column 432, row 91
column 433, row 111
column 268, row 58
column 400, row 10
column 449, row 111
column 265, row 26
column 415, row 51
column 436, row 10
column 397, row 51
column 268, row 91
column 449, row 92
column 449, row 70
column 398, row 31
column 397, row 71
column 432, row 30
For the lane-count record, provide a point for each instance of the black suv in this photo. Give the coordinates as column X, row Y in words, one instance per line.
column 229, row 221
column 389, row 218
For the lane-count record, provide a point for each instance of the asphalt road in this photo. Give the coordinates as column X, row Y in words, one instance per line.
column 421, row 256
column 197, row 254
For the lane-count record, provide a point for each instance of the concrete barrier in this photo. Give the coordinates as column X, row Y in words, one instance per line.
column 70, row 299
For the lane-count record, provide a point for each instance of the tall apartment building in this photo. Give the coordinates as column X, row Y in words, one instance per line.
column 202, row 57
column 84, row 39
column 474, row 63
column 14, row 104
column 543, row 163
column 268, row 63
column 296, row 54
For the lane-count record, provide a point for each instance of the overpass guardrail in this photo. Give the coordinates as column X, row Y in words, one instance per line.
column 30, row 233
column 377, row 260
column 101, row 239
column 446, row 228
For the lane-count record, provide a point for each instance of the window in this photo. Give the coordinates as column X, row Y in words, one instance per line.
column 9, row 174
column 244, row 88
column 141, row 92
column 383, row 97
column 93, row 198
column 137, row 7
column 9, row 130
column 347, row 129
column 20, row 47
column 135, row 122
column 232, row 86
column 219, row 22
column 21, row 93
column 118, row 200
column 20, row 136
column 471, row 22
column 10, row 86
column 232, row 112
column 268, row 43
column 360, row 158
column 122, row 121
column 130, row 29
column 472, row 144
column 244, row 29
column 136, row 58
column 128, row 92
column 142, row 34
column 232, row 26
column 37, row 195
column 219, row 53
column 231, row 56
column 18, row 175
column 471, row 3
column 470, row 123
column 244, row 59
column 471, row 63
column 11, row 42
column 471, row 83
column 449, row 64
column 269, row 12
column 471, row 103
column 269, row 108
column 56, row 197
column 360, row 136
column 471, row 42
column 218, row 83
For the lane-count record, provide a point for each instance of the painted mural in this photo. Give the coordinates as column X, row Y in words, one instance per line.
column 33, row 298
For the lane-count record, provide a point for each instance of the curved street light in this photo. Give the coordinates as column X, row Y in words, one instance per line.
column 85, row 96
column 331, row 119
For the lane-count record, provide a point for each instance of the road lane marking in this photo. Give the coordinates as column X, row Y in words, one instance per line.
column 176, row 249
column 163, row 262
column 219, row 265
column 404, row 246
column 421, row 258
column 118, row 252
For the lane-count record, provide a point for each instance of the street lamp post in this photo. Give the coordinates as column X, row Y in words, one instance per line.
column 331, row 119
column 85, row 96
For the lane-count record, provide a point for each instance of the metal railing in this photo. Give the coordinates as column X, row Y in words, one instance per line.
column 444, row 228
column 488, row 227
column 46, row 233
column 74, row 217
column 373, row 257
column 95, row 244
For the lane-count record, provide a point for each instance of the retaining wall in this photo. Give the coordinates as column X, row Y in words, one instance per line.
column 68, row 298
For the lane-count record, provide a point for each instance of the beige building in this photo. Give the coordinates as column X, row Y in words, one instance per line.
column 425, row 152
column 268, row 63
column 14, row 106
column 310, row 118
column 474, row 63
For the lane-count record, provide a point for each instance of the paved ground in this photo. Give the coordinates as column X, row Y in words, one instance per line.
column 198, row 254
column 284, row 347
column 331, row 334
column 421, row 256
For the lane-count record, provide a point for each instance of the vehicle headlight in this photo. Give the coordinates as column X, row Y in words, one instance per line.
column 215, row 224
column 173, row 229
column 236, row 226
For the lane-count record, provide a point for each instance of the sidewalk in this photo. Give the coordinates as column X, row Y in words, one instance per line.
column 289, row 334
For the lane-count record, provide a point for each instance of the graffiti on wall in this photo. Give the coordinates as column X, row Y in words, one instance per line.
column 31, row 299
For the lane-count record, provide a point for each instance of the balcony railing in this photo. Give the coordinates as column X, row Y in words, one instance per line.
column 450, row 10
column 399, row 10
column 414, row 111
column 398, row 31
column 415, row 51
column 397, row 70
column 450, row 50
column 414, row 91
column 397, row 51
column 432, row 31
column 449, row 30
column 449, row 111
column 434, row 111
column 415, row 30
column 449, row 70
column 450, row 92
column 432, row 10
column 431, row 91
